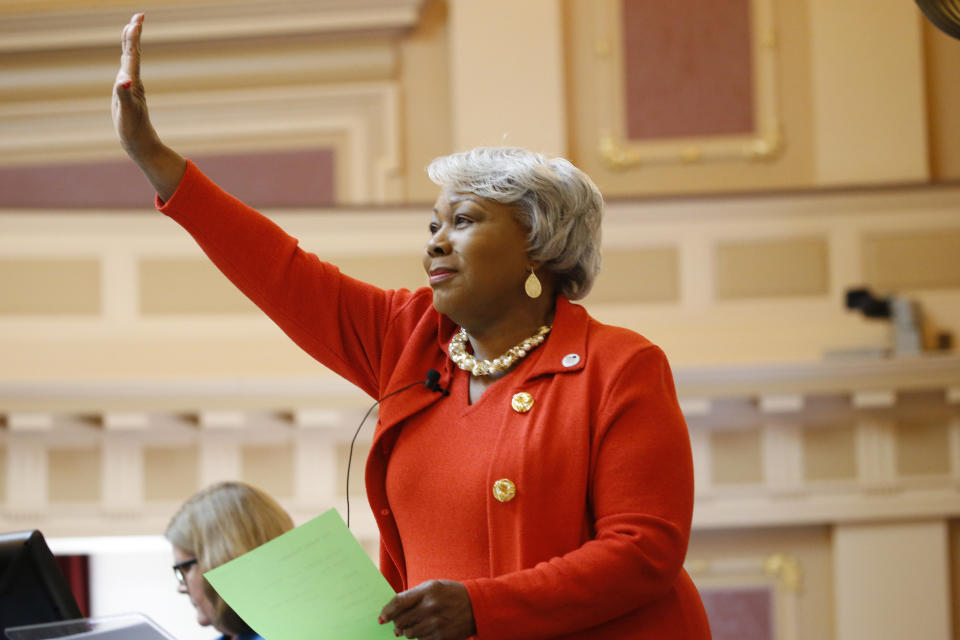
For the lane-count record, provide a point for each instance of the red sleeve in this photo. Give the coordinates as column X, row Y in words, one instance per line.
column 642, row 497
column 338, row 320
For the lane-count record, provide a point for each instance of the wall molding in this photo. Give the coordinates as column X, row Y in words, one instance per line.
column 218, row 418
column 765, row 143
column 32, row 30
column 364, row 115
column 781, row 574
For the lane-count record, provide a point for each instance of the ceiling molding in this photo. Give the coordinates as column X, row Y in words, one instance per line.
column 863, row 378
column 235, row 67
column 239, row 19
column 860, row 380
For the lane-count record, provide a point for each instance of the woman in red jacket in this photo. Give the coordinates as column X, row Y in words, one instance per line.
column 548, row 491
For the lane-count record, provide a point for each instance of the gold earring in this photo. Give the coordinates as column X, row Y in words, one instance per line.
column 532, row 285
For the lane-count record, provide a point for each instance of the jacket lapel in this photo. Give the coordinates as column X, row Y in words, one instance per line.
column 565, row 350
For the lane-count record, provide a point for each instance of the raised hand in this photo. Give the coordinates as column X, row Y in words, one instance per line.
column 129, row 104
column 433, row 610
column 162, row 166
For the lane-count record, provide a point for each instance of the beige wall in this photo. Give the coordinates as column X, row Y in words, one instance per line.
column 425, row 82
column 868, row 104
column 891, row 581
column 513, row 92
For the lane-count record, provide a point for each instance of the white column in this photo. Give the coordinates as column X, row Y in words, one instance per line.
column 876, row 451
column 122, row 472
column 782, row 442
column 782, row 446
column 317, row 480
column 119, row 287
column 26, row 474
column 696, row 270
column 507, row 74
column 891, row 581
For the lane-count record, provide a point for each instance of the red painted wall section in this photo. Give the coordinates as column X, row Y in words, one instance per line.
column 739, row 613
column 303, row 178
column 688, row 67
column 76, row 569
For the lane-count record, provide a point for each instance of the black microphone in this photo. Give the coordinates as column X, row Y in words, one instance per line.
column 432, row 383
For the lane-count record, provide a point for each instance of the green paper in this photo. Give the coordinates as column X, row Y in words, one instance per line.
column 313, row 582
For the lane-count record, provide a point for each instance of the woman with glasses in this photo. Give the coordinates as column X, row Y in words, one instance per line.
column 214, row 526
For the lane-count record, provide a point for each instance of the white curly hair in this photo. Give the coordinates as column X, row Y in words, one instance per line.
column 558, row 203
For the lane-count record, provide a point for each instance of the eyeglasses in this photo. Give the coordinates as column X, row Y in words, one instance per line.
column 180, row 570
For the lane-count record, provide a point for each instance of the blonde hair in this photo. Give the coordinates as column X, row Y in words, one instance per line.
column 219, row 523
column 558, row 203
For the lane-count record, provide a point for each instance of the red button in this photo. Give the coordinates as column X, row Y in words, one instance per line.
column 384, row 512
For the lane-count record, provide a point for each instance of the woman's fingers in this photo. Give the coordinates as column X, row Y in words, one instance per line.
column 437, row 609
column 130, row 56
column 162, row 166
column 129, row 104
column 400, row 603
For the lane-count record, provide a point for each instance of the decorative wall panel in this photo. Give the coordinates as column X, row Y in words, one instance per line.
column 903, row 261
column 688, row 68
column 49, row 286
column 750, row 598
column 772, row 268
column 923, row 448
column 736, row 457
column 689, row 82
column 74, row 475
column 642, row 275
column 170, row 473
column 174, row 286
column 269, row 467
column 739, row 613
column 299, row 178
column 828, row 454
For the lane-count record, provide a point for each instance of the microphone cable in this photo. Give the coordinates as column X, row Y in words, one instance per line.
column 433, row 376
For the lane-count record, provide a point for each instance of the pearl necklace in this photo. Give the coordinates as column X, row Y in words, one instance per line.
column 464, row 360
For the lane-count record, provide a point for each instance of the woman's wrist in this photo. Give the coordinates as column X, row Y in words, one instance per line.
column 162, row 166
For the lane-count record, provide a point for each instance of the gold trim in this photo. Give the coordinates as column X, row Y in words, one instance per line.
column 619, row 156
column 764, row 144
column 691, row 155
column 786, row 569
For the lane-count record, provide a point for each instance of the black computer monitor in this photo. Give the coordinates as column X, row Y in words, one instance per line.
column 32, row 587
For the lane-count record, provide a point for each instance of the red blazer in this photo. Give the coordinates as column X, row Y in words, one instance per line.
column 592, row 546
